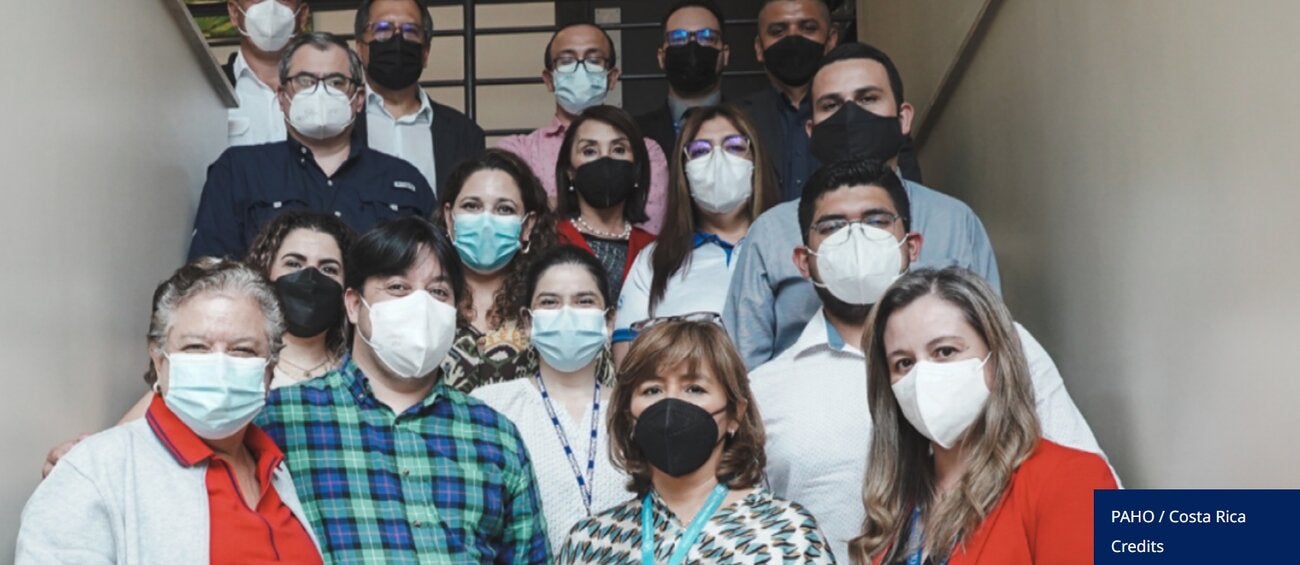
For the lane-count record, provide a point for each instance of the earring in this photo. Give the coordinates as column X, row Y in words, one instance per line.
column 527, row 245
column 570, row 187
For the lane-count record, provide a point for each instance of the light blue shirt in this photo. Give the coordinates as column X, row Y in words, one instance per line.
column 769, row 302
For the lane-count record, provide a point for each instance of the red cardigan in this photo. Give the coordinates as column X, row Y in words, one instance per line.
column 1045, row 517
column 637, row 241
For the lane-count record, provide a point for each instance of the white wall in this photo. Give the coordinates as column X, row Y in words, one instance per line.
column 107, row 134
column 1135, row 164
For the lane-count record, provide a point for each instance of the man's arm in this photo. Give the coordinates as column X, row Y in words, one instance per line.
column 524, row 539
column 983, row 262
column 749, row 314
column 66, row 521
column 657, row 199
column 218, row 229
column 1061, row 420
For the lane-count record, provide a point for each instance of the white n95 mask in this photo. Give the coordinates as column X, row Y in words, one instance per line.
column 321, row 113
column 411, row 335
column 720, row 181
column 942, row 400
column 858, row 263
column 269, row 24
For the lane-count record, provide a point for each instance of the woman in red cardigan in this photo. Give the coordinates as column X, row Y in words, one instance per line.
column 603, row 179
column 959, row 472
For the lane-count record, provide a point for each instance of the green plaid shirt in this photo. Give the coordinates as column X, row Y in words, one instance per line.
column 446, row 481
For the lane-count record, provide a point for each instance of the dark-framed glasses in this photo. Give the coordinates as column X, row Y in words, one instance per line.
column 334, row 82
column 878, row 220
column 737, row 145
column 710, row 317
column 565, row 64
column 708, row 37
column 384, row 30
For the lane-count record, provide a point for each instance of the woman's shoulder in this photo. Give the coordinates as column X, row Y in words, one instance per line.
column 504, row 396
column 1054, row 459
column 762, row 504
column 612, row 523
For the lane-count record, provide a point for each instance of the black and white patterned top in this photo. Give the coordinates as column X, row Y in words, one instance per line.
column 758, row 529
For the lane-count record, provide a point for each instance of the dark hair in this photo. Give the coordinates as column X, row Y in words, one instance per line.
column 662, row 348
column 261, row 256
column 853, row 51
column 321, row 41
column 676, row 239
column 505, row 303
column 613, row 51
column 634, row 206
column 566, row 255
column 709, row 5
column 393, row 247
column 822, row 3
column 852, row 172
column 363, row 19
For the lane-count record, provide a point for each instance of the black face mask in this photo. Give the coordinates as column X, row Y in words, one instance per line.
column 312, row 302
column 675, row 436
column 854, row 133
column 691, row 68
column 605, row 182
column 395, row 63
column 794, row 60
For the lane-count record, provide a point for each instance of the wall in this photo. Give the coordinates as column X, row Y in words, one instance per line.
column 1135, row 165
column 108, row 133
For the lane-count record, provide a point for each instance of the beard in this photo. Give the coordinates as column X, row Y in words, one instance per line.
column 855, row 314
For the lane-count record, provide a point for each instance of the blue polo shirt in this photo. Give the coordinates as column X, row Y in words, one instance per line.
column 249, row 186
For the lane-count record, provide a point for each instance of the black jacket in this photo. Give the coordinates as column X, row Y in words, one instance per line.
column 657, row 124
column 455, row 139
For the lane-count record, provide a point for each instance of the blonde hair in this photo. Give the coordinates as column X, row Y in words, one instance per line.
column 900, row 475
column 662, row 348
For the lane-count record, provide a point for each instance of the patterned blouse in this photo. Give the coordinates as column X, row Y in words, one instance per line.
column 478, row 358
column 759, row 529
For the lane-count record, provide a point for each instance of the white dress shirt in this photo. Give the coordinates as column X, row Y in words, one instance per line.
column 521, row 402
column 813, row 398
column 258, row 119
column 408, row 138
column 699, row 286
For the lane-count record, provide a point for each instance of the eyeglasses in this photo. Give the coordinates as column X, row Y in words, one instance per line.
column 565, row 64
column 336, row 82
column 711, row 317
column 737, row 145
column 707, row 37
column 384, row 30
column 879, row 220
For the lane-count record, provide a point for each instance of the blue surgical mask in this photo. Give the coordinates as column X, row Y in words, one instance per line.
column 580, row 89
column 214, row 394
column 569, row 338
column 486, row 242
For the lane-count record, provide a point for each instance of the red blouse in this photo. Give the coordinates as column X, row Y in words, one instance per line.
column 636, row 241
column 239, row 534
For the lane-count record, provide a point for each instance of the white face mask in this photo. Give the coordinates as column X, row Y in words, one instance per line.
column 214, row 394
column 411, row 335
column 720, row 181
column 269, row 24
column 580, row 89
column 858, row 263
column 321, row 113
column 942, row 400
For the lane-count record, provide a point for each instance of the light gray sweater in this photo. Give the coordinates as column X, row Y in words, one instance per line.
column 120, row 497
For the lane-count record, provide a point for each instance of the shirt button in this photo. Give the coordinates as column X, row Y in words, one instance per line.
column 301, row 161
column 304, row 150
column 329, row 183
column 338, row 213
column 406, row 472
column 418, row 524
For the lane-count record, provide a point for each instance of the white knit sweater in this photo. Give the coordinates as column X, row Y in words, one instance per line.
column 521, row 402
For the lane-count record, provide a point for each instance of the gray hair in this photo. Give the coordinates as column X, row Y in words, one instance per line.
column 217, row 276
column 363, row 19
column 322, row 41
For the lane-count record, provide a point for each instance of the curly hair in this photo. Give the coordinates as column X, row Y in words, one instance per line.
column 701, row 345
column 508, row 300
column 261, row 256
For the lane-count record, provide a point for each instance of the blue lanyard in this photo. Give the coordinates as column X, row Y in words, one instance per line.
column 584, row 483
column 916, row 558
column 692, row 532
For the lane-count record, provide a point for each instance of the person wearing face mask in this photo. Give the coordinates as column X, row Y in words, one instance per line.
column 858, row 238
column 960, row 471
column 318, row 169
column 393, row 40
column 560, row 405
column 721, row 181
column 496, row 215
column 580, row 68
column 770, row 302
column 193, row 481
column 601, row 167
column 265, row 28
column 684, row 426
column 692, row 57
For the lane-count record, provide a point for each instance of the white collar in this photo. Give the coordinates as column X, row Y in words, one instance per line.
column 241, row 70
column 425, row 113
column 816, row 338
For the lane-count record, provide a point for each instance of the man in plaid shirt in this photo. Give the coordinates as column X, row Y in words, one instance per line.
column 391, row 465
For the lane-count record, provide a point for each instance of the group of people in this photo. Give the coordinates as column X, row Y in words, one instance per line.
column 722, row 332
